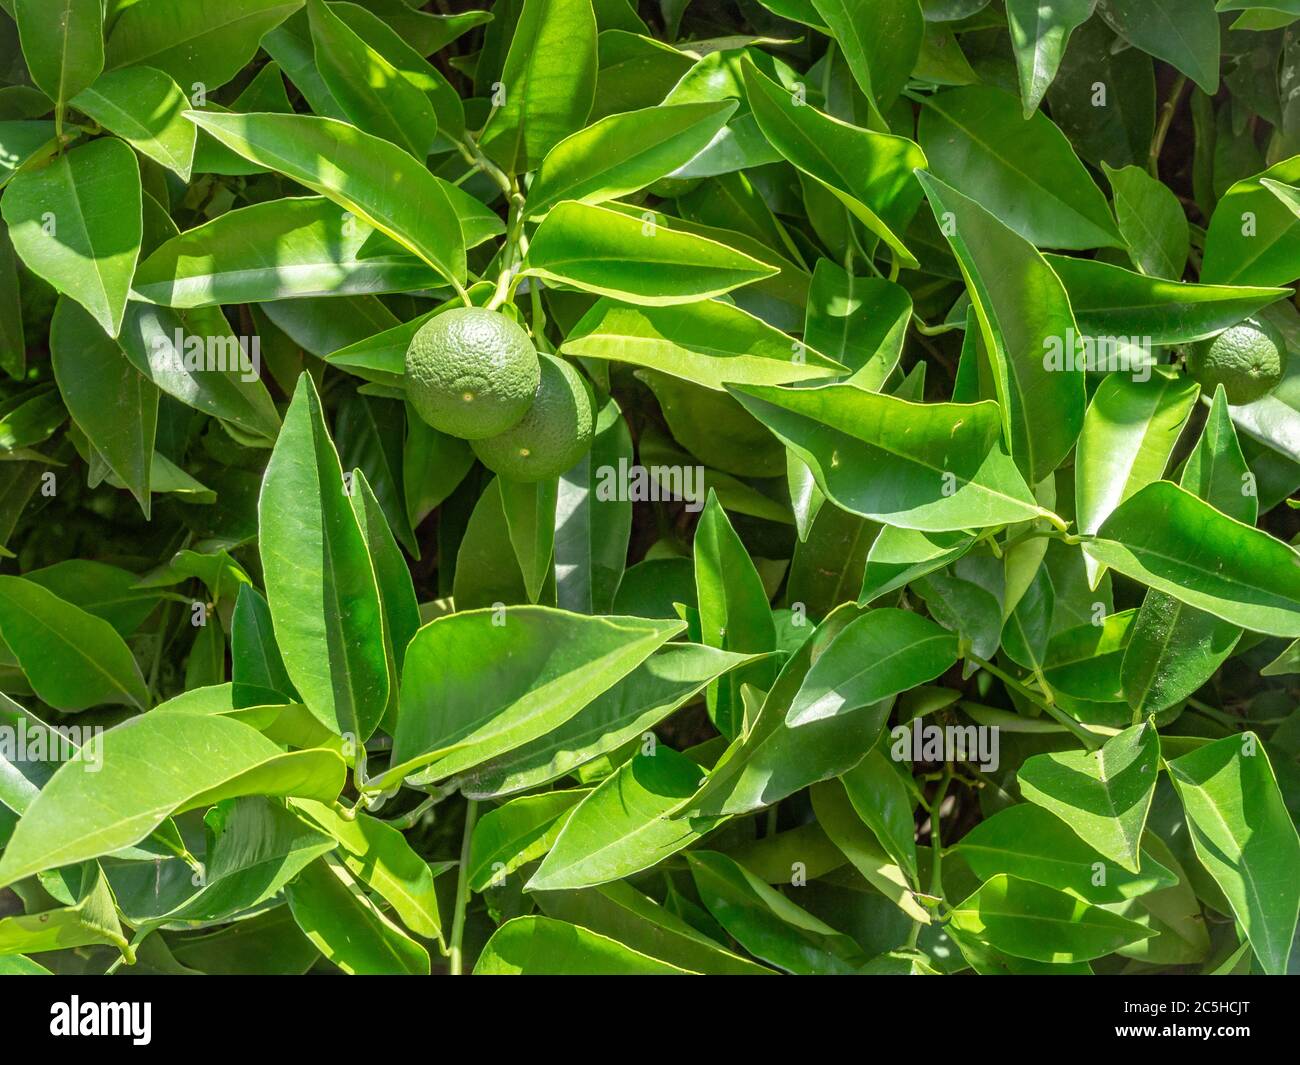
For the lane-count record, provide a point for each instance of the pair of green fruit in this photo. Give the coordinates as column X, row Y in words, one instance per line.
column 474, row 373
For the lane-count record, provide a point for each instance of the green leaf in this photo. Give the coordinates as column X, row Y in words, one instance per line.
column 880, row 40
column 541, row 946
column 1244, row 835
column 195, row 357
column 63, row 43
column 81, row 814
column 1171, row 541
column 593, row 524
column 847, row 829
column 767, row 924
column 870, row 173
column 105, row 591
column 517, row 833
column 378, row 855
column 1152, row 222
column 1251, row 239
column 144, row 107
column 614, row 254
column 276, row 250
column 623, row 826
column 375, row 180
column 1025, row 173
column 548, row 83
column 320, row 580
column 878, row 794
column 1024, row 317
column 637, row 921
column 348, row 928
column 772, row 760
column 372, row 93
column 1176, row 648
column 88, row 366
column 1110, row 302
column 257, row 670
column 668, row 679
column 622, row 153
column 1182, row 32
column 76, row 222
column 1028, row 920
column 1026, row 842
column 930, row 466
column 1103, row 795
column 734, row 612
column 1129, row 432
column 708, row 343
column 876, row 656
column 73, row 659
column 859, row 321
column 530, row 518
column 1039, row 35
column 201, row 42
column 480, row 683
column 90, row 919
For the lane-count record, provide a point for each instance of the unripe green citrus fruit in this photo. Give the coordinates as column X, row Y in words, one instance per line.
column 1248, row 360
column 554, row 434
column 471, row 372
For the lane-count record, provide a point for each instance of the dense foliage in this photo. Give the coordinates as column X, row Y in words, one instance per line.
column 923, row 597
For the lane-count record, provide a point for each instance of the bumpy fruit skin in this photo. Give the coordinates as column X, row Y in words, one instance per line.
column 554, row 434
column 471, row 372
column 1248, row 360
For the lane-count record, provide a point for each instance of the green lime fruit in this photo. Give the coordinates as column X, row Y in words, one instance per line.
column 471, row 372
column 1248, row 360
column 554, row 434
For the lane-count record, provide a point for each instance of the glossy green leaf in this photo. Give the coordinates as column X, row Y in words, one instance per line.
column 320, row 580
column 622, row 827
column 465, row 701
column 880, row 42
column 63, row 43
column 769, row 925
column 144, row 107
column 372, row 93
column 1245, row 837
column 1028, row 920
column 1023, row 172
column 622, row 153
column 614, row 254
column 878, row 655
column 541, row 946
column 375, row 180
column 547, row 84
column 1027, row 842
column 519, row 832
column 88, row 366
column 668, row 679
column 1039, row 35
column 934, row 466
column 202, row 42
column 1174, row 542
column 870, row 173
column 1103, row 795
column 1111, row 302
column 1025, row 319
column 73, row 659
column 709, row 343
column 1183, row 32
column 1251, row 239
column 82, row 814
column 348, row 928
column 1151, row 221
column 76, row 223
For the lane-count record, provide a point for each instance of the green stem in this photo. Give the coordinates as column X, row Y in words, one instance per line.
column 934, row 330
column 1089, row 740
column 462, row 890
column 1162, row 130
